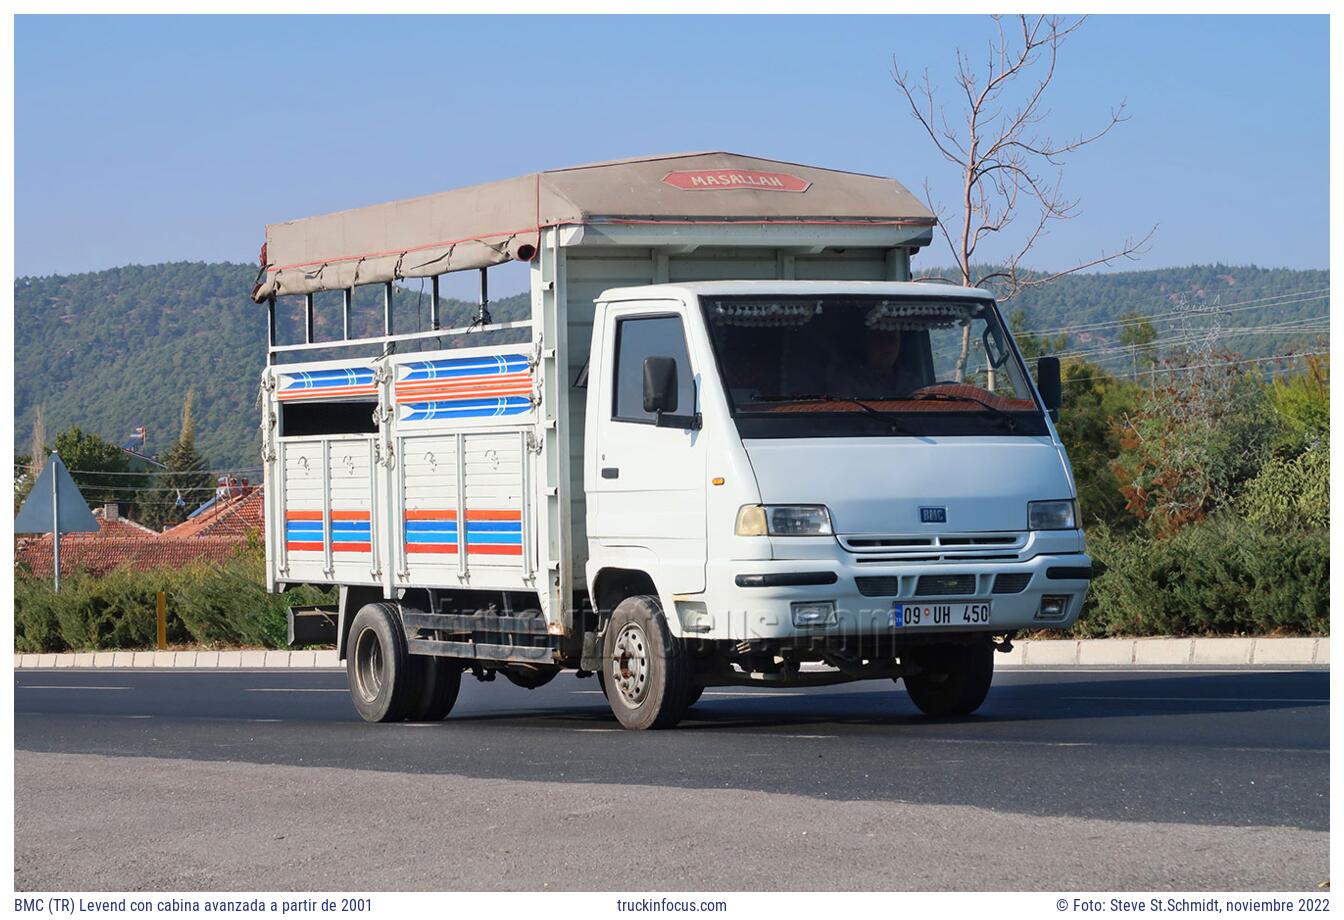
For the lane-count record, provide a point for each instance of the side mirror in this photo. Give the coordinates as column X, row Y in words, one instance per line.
column 660, row 385
column 1047, row 381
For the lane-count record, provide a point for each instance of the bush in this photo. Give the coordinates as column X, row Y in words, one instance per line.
column 1223, row 576
column 1290, row 494
column 208, row 604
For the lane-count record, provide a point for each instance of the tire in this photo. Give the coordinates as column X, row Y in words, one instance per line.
column 383, row 679
column 694, row 696
column 439, row 680
column 530, row 678
column 955, row 678
column 648, row 673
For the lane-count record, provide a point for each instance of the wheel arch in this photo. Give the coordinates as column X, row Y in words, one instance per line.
column 352, row 598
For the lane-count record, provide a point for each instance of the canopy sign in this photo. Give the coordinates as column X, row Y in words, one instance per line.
column 705, row 180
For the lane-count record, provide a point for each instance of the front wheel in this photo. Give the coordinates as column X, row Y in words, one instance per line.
column 953, row 679
column 647, row 672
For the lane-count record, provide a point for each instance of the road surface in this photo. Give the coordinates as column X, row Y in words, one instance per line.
column 1068, row 779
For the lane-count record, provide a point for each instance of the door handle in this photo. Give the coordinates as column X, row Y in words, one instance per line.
column 611, row 472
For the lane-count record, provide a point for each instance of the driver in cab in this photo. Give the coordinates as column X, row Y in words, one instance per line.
column 877, row 371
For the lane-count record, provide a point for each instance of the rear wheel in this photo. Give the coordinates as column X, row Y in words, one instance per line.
column 382, row 677
column 953, row 679
column 647, row 672
column 439, row 680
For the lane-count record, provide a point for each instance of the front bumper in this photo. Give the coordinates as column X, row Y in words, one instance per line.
column 739, row 606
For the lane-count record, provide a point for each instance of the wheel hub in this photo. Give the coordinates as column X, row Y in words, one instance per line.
column 368, row 665
column 630, row 664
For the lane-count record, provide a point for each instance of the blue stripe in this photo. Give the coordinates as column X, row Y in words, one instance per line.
column 500, row 538
column 484, row 365
column 431, row 537
column 466, row 408
column 331, row 377
column 350, row 526
column 300, row 527
column 494, row 526
column 431, row 526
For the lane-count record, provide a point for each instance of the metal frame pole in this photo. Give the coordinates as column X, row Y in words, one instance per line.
column 55, row 530
column 347, row 304
column 434, row 303
column 387, row 314
column 308, row 318
column 270, row 329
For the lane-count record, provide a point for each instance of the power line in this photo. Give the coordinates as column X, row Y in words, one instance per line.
column 1305, row 324
column 1212, row 309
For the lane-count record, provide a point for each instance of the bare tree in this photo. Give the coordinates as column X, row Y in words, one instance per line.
column 38, row 452
column 1008, row 164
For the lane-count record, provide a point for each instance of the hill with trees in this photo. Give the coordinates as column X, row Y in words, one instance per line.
column 113, row 350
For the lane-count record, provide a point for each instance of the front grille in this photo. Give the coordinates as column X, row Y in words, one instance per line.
column 938, row 585
column 889, row 542
column 878, row 585
column 1014, row 583
column 933, row 547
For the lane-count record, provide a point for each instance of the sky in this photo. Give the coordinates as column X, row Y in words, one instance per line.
column 152, row 139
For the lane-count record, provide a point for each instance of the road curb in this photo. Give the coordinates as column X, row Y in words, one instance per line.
column 1082, row 653
column 1148, row 652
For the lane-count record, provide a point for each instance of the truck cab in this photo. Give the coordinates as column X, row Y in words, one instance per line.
column 847, row 473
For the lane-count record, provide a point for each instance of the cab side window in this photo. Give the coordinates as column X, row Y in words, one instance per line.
column 643, row 337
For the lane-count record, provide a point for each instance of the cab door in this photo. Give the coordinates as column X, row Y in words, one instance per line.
column 646, row 481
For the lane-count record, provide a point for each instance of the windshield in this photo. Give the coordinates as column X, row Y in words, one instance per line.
column 837, row 366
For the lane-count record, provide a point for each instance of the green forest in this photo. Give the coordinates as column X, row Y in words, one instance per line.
column 113, row 350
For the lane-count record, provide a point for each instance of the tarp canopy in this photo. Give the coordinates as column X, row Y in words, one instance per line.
column 485, row 225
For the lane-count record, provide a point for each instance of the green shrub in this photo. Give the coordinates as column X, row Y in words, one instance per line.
column 1219, row 577
column 208, row 604
column 1290, row 493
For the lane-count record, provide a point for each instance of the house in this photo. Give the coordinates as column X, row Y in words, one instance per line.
column 215, row 534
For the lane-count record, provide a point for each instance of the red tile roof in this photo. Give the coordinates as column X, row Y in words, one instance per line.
column 235, row 517
column 215, row 535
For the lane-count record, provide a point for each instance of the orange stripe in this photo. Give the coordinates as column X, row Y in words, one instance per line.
column 305, row 546
column 303, row 515
column 349, row 515
column 511, row 390
column 429, row 514
column 467, row 380
column 431, row 547
column 510, row 385
column 489, row 515
column 494, row 549
column 351, row 547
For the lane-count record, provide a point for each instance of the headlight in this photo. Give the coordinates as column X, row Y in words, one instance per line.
column 1057, row 515
column 783, row 521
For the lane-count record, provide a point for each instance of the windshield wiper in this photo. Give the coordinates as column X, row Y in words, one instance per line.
column 1006, row 417
column 897, row 426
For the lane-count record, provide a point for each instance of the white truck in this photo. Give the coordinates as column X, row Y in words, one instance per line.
column 732, row 444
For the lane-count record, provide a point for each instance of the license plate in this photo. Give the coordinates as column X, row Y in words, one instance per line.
column 975, row 613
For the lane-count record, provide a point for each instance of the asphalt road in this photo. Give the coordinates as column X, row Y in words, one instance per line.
column 1080, row 779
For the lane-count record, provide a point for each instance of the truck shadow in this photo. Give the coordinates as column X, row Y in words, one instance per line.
column 1065, row 700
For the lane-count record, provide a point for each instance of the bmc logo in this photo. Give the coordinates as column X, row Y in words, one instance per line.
column 933, row 515
column 705, row 180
